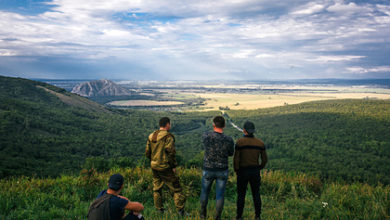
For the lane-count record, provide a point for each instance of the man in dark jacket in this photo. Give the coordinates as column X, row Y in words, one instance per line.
column 110, row 205
column 217, row 148
column 246, row 164
column 160, row 149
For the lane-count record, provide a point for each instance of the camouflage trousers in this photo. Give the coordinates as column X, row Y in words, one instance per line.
column 170, row 179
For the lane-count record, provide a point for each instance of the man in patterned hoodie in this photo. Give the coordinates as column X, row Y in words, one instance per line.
column 217, row 148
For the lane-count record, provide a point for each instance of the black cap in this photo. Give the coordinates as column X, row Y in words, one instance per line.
column 115, row 182
column 249, row 127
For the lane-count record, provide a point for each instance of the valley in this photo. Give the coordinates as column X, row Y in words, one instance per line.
column 328, row 159
column 237, row 95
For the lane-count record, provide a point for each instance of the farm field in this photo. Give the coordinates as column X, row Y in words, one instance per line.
column 244, row 101
column 144, row 103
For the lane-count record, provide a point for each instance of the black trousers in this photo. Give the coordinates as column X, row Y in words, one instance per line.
column 251, row 175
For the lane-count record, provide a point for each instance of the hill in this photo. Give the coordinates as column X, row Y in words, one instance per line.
column 345, row 139
column 46, row 131
column 101, row 87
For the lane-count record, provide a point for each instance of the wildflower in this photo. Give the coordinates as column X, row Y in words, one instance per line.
column 324, row 204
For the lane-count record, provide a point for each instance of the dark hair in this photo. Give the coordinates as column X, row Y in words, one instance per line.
column 164, row 121
column 219, row 121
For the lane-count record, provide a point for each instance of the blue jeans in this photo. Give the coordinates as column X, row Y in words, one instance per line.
column 208, row 178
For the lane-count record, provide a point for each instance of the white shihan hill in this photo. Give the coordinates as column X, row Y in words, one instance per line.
column 101, row 87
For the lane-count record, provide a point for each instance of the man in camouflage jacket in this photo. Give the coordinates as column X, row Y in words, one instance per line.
column 160, row 149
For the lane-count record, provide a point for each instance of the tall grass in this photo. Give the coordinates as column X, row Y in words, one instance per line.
column 284, row 196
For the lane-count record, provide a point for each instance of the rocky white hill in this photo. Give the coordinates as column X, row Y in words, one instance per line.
column 101, row 87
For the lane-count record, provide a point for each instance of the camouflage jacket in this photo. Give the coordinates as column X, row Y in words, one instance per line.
column 160, row 149
column 217, row 148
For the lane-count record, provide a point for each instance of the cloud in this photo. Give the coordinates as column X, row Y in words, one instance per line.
column 174, row 39
column 342, row 7
column 309, row 9
column 325, row 59
column 365, row 70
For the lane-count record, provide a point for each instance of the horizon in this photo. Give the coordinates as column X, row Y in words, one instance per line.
column 195, row 40
column 211, row 80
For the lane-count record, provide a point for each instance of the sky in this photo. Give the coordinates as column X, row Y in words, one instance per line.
column 195, row 39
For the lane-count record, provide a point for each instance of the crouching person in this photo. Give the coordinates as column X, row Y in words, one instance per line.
column 109, row 205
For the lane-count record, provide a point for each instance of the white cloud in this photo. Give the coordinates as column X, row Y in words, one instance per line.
column 308, row 9
column 341, row 7
column 365, row 70
column 212, row 35
column 325, row 59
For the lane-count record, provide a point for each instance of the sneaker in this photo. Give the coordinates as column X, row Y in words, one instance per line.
column 258, row 218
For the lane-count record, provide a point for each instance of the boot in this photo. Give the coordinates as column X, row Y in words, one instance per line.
column 183, row 213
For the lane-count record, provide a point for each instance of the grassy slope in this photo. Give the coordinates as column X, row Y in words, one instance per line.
column 284, row 196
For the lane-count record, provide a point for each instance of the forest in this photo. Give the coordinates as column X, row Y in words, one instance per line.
column 41, row 135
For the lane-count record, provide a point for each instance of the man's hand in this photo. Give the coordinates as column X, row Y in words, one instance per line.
column 174, row 170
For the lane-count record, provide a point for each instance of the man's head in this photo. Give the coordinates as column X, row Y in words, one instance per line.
column 219, row 122
column 116, row 182
column 165, row 123
column 249, row 128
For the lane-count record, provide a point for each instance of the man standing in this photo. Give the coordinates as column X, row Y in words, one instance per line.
column 110, row 205
column 217, row 148
column 160, row 149
column 246, row 165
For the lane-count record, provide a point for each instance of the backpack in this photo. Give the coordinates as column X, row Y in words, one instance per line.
column 100, row 208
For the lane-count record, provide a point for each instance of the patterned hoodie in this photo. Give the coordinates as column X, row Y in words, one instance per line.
column 217, row 148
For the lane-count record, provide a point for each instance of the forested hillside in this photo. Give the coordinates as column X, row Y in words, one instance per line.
column 346, row 139
column 46, row 131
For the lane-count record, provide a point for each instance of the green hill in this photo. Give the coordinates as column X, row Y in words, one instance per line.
column 345, row 140
column 322, row 156
column 46, row 131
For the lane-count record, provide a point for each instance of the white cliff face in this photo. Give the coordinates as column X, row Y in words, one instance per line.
column 102, row 87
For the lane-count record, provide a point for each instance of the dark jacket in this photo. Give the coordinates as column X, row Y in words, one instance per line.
column 247, row 153
column 217, row 148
